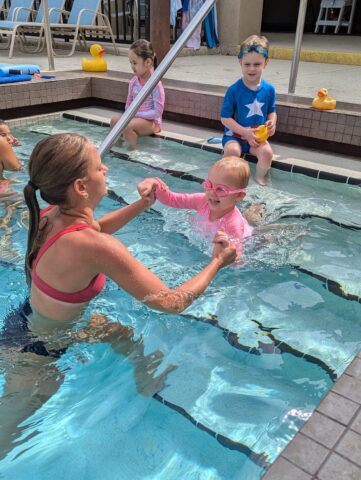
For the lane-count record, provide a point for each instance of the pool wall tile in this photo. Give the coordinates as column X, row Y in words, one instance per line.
column 350, row 447
column 338, row 468
column 323, row 430
column 285, row 470
column 194, row 102
column 338, row 408
column 305, row 453
column 356, row 424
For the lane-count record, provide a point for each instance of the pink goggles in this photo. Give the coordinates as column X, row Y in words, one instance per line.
column 220, row 190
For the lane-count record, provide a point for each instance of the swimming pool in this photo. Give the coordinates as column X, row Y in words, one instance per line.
column 254, row 355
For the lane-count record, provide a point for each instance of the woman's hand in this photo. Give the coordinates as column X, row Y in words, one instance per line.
column 148, row 187
column 224, row 249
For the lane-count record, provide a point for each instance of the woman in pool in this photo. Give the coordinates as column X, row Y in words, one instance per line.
column 68, row 258
column 70, row 253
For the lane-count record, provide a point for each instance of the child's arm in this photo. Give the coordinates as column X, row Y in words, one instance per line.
column 158, row 105
column 7, row 156
column 271, row 123
column 227, row 119
column 190, row 201
column 245, row 132
column 130, row 96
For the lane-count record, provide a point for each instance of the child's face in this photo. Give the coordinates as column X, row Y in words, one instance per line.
column 252, row 65
column 139, row 66
column 5, row 133
column 222, row 205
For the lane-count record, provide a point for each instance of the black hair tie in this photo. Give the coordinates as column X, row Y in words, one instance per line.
column 32, row 185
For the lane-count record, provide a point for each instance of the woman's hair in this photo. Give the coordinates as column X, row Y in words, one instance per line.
column 55, row 163
column 238, row 167
column 144, row 50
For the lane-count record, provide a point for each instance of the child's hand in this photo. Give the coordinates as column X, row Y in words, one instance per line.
column 251, row 138
column 14, row 141
column 224, row 249
column 148, row 186
column 271, row 125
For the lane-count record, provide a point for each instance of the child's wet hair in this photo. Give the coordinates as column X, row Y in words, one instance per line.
column 144, row 49
column 240, row 167
column 257, row 41
column 2, row 122
column 254, row 43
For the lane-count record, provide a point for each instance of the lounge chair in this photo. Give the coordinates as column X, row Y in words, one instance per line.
column 17, row 30
column 84, row 19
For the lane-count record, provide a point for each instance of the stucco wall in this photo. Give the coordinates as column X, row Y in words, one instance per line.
column 237, row 20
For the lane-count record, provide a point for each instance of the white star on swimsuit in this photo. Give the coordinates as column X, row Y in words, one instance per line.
column 255, row 108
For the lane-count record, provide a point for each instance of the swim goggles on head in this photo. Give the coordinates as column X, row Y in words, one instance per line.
column 220, row 190
column 253, row 48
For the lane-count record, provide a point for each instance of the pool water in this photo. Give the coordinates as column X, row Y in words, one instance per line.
column 254, row 355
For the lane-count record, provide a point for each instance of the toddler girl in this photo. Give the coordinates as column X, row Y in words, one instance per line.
column 216, row 207
column 148, row 119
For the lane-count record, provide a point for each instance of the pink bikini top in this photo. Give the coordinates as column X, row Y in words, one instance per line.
column 95, row 286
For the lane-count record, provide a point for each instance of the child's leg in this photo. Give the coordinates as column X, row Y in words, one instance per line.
column 232, row 148
column 139, row 127
column 114, row 119
column 264, row 156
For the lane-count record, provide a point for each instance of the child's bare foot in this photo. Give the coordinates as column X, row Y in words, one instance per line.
column 132, row 147
column 262, row 175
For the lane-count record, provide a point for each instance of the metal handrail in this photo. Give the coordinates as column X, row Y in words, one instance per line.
column 118, row 128
column 298, row 43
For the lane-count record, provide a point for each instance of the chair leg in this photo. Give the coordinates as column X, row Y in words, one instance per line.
column 352, row 14
column 12, row 42
column 339, row 20
column 318, row 20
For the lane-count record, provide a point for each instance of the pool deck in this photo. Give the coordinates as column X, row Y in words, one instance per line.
column 328, row 447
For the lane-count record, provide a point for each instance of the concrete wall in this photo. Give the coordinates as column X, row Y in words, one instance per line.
column 237, row 20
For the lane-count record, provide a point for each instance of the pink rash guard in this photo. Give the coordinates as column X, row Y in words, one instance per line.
column 233, row 223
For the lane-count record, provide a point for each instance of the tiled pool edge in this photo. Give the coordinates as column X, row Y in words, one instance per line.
column 285, row 166
column 328, row 447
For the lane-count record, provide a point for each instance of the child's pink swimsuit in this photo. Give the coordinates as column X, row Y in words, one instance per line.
column 233, row 223
column 153, row 106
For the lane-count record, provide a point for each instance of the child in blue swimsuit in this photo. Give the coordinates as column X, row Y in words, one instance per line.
column 248, row 103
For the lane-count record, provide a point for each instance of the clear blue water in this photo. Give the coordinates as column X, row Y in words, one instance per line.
column 254, row 355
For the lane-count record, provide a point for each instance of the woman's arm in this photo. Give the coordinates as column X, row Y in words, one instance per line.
column 113, row 221
column 114, row 260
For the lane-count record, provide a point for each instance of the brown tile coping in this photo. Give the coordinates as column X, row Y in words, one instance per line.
column 335, row 131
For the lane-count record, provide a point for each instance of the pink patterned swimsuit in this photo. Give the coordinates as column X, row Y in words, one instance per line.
column 153, row 106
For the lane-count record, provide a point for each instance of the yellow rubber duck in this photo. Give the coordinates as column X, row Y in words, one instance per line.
column 97, row 63
column 261, row 133
column 323, row 101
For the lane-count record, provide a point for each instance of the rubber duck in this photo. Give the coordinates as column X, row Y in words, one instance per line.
column 97, row 63
column 323, row 101
column 261, row 133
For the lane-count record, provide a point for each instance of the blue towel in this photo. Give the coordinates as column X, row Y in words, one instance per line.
column 15, row 78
